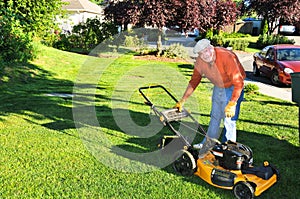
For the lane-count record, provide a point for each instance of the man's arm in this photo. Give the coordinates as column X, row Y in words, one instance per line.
column 237, row 77
column 194, row 82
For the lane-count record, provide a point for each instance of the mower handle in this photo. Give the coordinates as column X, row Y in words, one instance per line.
column 148, row 102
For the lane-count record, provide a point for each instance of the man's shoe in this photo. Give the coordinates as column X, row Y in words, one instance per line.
column 198, row 146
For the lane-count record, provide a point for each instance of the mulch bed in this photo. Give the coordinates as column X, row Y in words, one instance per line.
column 157, row 58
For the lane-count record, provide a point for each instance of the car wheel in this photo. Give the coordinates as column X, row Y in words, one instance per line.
column 275, row 78
column 184, row 163
column 243, row 190
column 256, row 71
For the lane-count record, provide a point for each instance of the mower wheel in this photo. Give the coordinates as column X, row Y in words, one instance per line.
column 184, row 163
column 243, row 190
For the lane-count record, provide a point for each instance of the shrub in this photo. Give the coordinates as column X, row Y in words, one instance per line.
column 86, row 36
column 133, row 41
column 218, row 40
column 15, row 44
column 251, row 88
column 265, row 40
column 226, row 40
column 237, row 44
column 64, row 43
column 175, row 51
column 209, row 34
column 147, row 51
column 50, row 39
column 235, row 35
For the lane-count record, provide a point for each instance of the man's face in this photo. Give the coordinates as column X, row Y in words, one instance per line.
column 207, row 54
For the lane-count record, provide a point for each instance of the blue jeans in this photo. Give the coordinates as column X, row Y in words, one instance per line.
column 220, row 98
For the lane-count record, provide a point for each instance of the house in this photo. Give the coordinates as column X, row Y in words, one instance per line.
column 79, row 11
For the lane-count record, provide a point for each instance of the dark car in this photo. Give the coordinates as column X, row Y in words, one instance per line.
column 277, row 62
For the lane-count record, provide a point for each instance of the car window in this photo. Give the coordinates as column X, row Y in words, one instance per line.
column 270, row 54
column 282, row 54
column 264, row 51
column 297, row 54
column 289, row 54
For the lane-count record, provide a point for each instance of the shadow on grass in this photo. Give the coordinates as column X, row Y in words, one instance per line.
column 25, row 92
column 252, row 45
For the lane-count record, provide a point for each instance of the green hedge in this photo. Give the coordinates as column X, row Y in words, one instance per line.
column 15, row 44
column 265, row 40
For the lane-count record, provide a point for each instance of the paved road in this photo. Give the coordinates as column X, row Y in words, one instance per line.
column 296, row 38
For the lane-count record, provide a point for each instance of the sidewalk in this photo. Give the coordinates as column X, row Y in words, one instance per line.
column 280, row 93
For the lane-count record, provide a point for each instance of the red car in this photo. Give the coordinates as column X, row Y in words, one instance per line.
column 277, row 62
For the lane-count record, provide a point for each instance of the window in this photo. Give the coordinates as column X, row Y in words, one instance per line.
column 263, row 52
column 270, row 54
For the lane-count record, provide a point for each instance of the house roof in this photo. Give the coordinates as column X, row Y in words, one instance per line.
column 82, row 6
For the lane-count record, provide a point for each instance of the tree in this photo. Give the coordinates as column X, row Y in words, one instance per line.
column 187, row 14
column 36, row 17
column 273, row 11
column 155, row 13
column 203, row 14
column 216, row 14
column 226, row 14
column 15, row 44
column 20, row 21
column 123, row 13
column 206, row 14
column 89, row 34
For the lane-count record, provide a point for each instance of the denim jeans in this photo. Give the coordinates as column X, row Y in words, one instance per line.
column 220, row 98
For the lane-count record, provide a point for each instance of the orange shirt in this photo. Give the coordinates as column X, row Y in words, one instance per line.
column 226, row 71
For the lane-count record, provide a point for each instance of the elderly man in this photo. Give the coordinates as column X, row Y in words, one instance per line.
column 222, row 67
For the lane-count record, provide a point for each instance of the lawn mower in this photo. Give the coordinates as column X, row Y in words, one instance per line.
column 227, row 165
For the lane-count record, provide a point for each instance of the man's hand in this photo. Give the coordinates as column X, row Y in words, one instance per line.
column 179, row 105
column 230, row 109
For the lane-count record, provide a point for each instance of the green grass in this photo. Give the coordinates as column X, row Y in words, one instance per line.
column 44, row 155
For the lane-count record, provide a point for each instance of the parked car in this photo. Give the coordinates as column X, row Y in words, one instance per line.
column 277, row 62
column 287, row 29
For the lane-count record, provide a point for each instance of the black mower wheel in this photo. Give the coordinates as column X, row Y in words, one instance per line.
column 184, row 163
column 243, row 190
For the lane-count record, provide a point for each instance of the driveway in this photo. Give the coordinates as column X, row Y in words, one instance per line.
column 296, row 38
column 263, row 82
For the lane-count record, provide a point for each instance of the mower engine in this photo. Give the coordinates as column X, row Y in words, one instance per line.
column 232, row 155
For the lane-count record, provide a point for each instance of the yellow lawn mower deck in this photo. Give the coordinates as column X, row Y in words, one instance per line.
column 228, row 169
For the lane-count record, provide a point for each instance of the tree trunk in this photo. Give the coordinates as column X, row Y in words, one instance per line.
column 159, row 43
